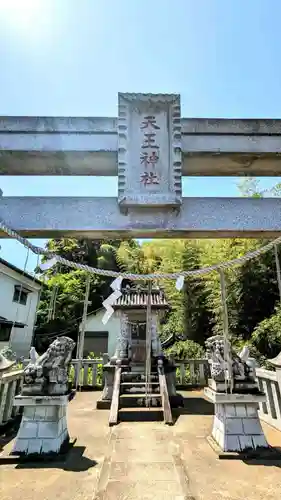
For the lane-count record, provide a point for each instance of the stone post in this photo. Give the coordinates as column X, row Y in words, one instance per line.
column 155, row 342
column 105, row 401
column 124, row 337
column 276, row 362
column 176, row 400
column 171, row 381
column 5, row 367
column 122, row 341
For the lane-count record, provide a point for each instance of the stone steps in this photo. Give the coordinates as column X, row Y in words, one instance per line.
column 138, row 383
column 143, row 414
column 138, row 400
column 135, row 387
column 132, row 403
column 137, row 377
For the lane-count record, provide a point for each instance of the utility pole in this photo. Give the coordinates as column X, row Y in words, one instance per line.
column 277, row 263
column 148, row 346
column 81, row 337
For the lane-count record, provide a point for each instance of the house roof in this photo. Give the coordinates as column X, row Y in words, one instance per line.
column 19, row 271
column 171, row 340
column 134, row 299
column 6, row 322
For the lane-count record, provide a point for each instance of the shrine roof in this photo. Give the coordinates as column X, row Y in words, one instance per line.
column 132, row 299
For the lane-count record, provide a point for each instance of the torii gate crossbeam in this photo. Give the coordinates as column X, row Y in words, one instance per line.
column 99, row 218
column 150, row 147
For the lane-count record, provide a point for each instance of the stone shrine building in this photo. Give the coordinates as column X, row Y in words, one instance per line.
column 102, row 339
column 131, row 308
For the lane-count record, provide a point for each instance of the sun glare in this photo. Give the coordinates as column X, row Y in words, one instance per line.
column 23, row 15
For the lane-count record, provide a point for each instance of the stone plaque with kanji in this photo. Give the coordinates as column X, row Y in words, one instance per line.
column 149, row 150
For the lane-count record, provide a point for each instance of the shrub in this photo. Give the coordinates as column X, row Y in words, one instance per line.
column 99, row 377
column 266, row 338
column 185, row 349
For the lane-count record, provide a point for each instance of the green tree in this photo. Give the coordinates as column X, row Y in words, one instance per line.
column 266, row 337
column 189, row 316
column 257, row 288
column 186, row 349
column 250, row 187
column 64, row 290
column 257, row 293
column 130, row 257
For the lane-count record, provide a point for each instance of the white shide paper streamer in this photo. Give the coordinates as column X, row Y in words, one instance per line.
column 48, row 264
column 111, row 300
column 180, row 282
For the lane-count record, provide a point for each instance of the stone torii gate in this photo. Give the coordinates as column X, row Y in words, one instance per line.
column 150, row 147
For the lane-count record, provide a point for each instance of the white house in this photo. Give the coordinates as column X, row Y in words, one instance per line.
column 19, row 296
column 100, row 338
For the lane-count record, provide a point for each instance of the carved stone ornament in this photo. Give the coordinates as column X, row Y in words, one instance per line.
column 155, row 341
column 276, row 362
column 123, row 339
column 226, row 365
column 5, row 364
column 149, row 150
column 48, row 374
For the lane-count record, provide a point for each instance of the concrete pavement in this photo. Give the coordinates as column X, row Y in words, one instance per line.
column 142, row 460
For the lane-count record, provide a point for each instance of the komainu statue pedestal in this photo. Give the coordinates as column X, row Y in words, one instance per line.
column 236, row 425
column 43, row 428
column 44, row 398
column 234, row 391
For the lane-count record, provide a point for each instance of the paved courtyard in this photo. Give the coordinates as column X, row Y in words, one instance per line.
column 142, row 460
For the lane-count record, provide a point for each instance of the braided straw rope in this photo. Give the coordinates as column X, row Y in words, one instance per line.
column 145, row 277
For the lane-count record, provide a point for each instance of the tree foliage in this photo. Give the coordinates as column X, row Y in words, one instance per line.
column 63, row 314
column 187, row 349
column 266, row 337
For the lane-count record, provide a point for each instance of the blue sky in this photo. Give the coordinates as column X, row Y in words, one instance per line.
column 71, row 57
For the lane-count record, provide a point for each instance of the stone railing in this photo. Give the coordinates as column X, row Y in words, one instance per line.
column 87, row 373
column 191, row 373
column 10, row 386
column 270, row 411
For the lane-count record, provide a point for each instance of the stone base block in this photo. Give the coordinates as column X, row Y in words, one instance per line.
column 257, row 455
column 241, row 387
column 103, row 404
column 236, row 425
column 176, row 401
column 43, row 428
